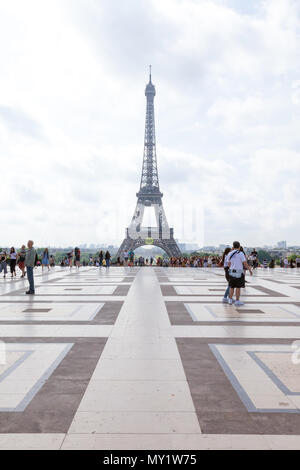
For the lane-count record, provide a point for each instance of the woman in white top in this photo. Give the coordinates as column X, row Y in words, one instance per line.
column 13, row 261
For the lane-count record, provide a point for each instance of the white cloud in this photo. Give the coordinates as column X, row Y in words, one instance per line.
column 72, row 77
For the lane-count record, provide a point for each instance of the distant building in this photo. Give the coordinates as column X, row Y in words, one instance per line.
column 282, row 245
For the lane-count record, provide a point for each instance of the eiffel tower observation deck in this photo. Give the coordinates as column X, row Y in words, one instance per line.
column 149, row 195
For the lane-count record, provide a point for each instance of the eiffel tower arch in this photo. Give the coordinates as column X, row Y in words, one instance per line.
column 149, row 195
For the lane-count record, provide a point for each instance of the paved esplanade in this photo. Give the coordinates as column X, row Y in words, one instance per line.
column 149, row 358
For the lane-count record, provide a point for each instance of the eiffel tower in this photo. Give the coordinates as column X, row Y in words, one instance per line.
column 149, row 195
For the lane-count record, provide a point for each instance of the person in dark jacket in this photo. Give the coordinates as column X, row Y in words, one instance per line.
column 107, row 258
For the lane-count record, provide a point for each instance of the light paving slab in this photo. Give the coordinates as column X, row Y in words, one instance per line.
column 31, row 441
column 138, row 396
column 143, row 304
column 114, row 422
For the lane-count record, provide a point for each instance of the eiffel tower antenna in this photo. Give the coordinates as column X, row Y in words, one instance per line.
column 149, row 194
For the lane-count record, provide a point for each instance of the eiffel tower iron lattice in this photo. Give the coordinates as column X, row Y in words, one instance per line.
column 149, row 195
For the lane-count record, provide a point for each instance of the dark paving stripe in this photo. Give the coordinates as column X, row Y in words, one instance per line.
column 54, row 406
column 73, row 289
column 37, row 310
column 178, row 314
column 250, row 311
column 121, row 290
column 271, row 293
column 168, row 290
column 218, row 407
column 106, row 315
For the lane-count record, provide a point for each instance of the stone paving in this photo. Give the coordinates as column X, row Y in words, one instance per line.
column 149, row 358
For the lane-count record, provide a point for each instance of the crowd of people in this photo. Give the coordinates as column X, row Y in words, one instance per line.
column 12, row 259
column 72, row 258
column 234, row 261
column 25, row 259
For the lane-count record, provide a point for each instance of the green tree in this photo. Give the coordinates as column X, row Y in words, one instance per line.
column 262, row 254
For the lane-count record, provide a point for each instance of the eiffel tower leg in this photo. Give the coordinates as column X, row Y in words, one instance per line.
column 169, row 246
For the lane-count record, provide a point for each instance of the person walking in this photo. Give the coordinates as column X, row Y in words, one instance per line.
column 224, row 263
column 21, row 260
column 101, row 259
column 29, row 263
column 70, row 258
column 254, row 258
column 107, row 258
column 131, row 258
column 45, row 259
column 272, row 264
column 13, row 261
column 125, row 256
column 77, row 257
column 52, row 261
column 3, row 263
column 237, row 263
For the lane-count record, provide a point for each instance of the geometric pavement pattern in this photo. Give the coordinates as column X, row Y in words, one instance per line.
column 149, row 358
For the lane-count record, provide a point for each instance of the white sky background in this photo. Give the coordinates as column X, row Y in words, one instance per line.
column 72, row 111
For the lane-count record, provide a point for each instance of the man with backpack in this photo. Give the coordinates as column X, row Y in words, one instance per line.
column 30, row 262
column 237, row 263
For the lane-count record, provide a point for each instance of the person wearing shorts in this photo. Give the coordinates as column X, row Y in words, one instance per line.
column 125, row 255
column 21, row 260
column 237, row 263
column 13, row 261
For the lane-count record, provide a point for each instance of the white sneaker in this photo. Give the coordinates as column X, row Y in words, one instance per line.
column 229, row 301
column 225, row 300
column 238, row 303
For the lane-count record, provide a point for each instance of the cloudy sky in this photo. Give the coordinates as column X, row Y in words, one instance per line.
column 72, row 110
